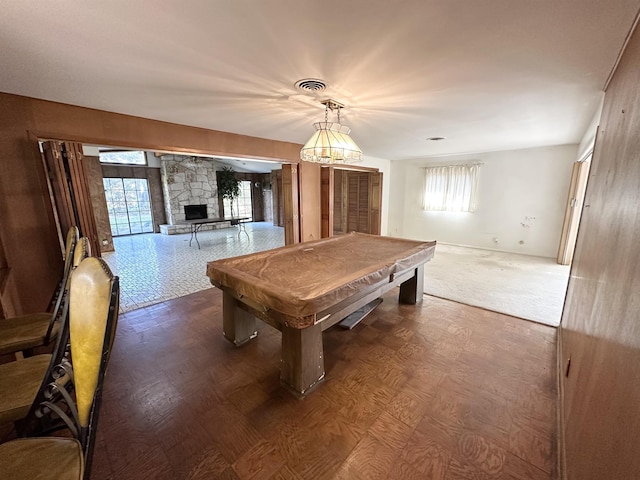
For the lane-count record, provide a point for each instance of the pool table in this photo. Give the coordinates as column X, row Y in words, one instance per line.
column 305, row 288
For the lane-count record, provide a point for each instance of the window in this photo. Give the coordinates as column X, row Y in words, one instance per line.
column 241, row 204
column 126, row 157
column 451, row 188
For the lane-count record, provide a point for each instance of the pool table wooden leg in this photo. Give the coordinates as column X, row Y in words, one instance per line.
column 238, row 325
column 412, row 290
column 302, row 365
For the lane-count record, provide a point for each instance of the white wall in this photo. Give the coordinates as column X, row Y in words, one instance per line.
column 589, row 138
column 522, row 196
column 384, row 166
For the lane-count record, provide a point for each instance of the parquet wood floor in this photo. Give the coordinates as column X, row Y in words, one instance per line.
column 435, row 391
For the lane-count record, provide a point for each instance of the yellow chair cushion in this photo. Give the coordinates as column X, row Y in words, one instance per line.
column 19, row 384
column 41, row 459
column 26, row 331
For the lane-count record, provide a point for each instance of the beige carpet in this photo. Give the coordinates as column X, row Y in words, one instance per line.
column 520, row 285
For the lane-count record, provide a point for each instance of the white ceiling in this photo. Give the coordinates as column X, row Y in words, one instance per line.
column 486, row 74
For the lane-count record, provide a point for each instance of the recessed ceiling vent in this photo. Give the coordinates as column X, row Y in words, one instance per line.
column 312, row 85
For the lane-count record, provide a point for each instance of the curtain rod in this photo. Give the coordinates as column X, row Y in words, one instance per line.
column 454, row 165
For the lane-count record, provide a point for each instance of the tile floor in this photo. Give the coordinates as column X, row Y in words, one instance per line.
column 154, row 267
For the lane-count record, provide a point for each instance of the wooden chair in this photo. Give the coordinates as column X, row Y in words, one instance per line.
column 20, row 380
column 26, row 332
column 93, row 315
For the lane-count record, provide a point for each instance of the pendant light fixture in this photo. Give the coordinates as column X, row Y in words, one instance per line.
column 331, row 142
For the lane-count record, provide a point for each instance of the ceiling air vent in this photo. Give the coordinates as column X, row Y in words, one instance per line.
column 312, row 85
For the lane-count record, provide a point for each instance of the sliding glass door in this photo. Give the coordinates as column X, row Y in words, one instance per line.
column 129, row 205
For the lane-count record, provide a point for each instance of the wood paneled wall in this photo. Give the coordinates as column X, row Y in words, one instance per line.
column 99, row 203
column 601, row 321
column 27, row 227
column 278, row 201
column 310, row 215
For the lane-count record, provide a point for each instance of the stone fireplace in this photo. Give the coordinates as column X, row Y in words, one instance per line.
column 188, row 180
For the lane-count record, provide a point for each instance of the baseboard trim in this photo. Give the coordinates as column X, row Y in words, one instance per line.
column 495, row 250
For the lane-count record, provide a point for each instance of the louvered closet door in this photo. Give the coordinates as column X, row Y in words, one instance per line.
column 68, row 178
column 375, row 203
column 341, row 194
column 358, row 202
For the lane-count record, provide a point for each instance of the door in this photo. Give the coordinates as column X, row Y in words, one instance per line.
column 129, row 205
column 351, row 201
column 577, row 189
column 70, row 188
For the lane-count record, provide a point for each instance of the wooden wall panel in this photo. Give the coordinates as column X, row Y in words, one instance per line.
column 6, row 304
column 327, row 196
column 27, row 227
column 290, row 204
column 276, row 192
column 310, row 212
column 68, row 122
column 82, row 195
column 601, row 320
column 70, row 184
column 99, row 203
column 159, row 212
column 60, row 187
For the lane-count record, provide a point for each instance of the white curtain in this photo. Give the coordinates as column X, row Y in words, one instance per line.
column 451, row 188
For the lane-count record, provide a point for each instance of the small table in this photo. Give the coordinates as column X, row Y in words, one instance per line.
column 196, row 224
column 305, row 288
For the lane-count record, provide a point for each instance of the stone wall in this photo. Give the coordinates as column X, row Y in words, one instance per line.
column 188, row 180
column 267, row 195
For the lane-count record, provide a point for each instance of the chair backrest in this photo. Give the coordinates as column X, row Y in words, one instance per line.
column 81, row 251
column 92, row 306
column 70, row 247
column 63, row 288
column 93, row 317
